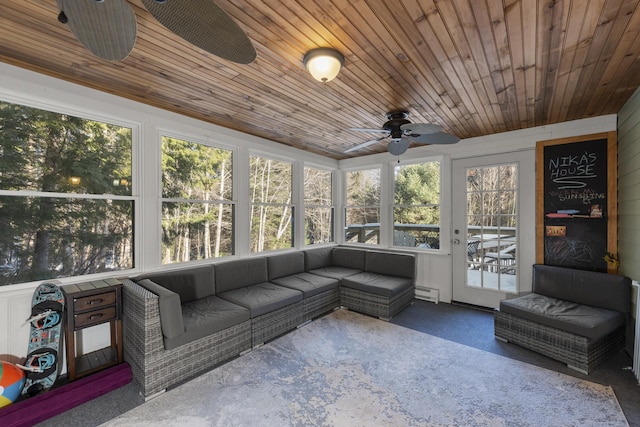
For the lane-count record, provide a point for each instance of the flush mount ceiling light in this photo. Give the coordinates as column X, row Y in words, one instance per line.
column 323, row 63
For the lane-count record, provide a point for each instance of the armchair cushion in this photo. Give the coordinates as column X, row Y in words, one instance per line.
column 597, row 289
column 584, row 320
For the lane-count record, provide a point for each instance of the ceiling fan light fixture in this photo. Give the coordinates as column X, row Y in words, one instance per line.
column 323, row 63
column 398, row 146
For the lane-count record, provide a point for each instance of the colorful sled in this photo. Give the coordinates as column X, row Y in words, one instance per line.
column 47, row 317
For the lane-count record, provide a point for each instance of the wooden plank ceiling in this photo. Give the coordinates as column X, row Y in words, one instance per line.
column 475, row 67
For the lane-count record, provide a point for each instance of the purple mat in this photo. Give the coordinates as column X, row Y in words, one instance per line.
column 60, row 399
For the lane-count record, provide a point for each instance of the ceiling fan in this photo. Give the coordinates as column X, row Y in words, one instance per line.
column 107, row 28
column 402, row 132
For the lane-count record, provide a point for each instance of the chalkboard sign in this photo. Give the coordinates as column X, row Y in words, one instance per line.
column 576, row 214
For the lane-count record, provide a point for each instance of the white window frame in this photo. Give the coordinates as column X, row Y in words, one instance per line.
column 293, row 205
column 444, row 229
column 383, row 227
column 234, row 193
column 89, row 114
column 305, row 206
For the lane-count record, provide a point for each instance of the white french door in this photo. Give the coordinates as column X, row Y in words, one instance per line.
column 492, row 195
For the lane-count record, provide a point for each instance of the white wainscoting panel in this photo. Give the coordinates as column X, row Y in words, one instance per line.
column 434, row 272
column 15, row 307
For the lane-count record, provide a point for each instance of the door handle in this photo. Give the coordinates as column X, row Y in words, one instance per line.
column 456, row 241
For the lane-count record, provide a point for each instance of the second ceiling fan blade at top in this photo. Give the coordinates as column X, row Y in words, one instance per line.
column 205, row 25
column 107, row 29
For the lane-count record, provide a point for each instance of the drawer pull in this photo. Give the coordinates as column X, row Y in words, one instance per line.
column 96, row 316
column 96, row 301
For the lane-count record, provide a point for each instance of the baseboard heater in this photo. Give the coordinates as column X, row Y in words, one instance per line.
column 428, row 294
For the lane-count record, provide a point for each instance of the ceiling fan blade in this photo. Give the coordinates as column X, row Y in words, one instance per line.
column 205, row 25
column 370, row 130
column 107, row 29
column 365, row 144
column 420, row 128
column 435, row 138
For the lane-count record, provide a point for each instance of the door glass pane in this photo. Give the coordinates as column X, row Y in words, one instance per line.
column 491, row 227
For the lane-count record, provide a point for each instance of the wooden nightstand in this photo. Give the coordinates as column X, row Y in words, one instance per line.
column 90, row 304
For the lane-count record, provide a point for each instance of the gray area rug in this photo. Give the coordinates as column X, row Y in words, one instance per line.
column 346, row 369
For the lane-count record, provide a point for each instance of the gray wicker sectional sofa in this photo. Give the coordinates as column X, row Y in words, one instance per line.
column 178, row 324
column 577, row 317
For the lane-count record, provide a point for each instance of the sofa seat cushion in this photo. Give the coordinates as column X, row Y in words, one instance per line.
column 307, row 283
column 378, row 284
column 262, row 298
column 207, row 316
column 584, row 320
column 335, row 272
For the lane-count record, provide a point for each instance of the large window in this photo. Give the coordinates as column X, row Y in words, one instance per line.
column 416, row 205
column 271, row 209
column 66, row 205
column 318, row 206
column 362, row 210
column 197, row 206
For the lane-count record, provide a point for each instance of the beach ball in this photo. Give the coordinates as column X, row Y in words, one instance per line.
column 11, row 383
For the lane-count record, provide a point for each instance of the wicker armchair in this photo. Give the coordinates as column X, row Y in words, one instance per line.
column 574, row 316
column 579, row 353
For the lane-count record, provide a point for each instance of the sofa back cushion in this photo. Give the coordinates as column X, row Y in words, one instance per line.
column 283, row 265
column 190, row 283
column 317, row 258
column 583, row 287
column 348, row 257
column 389, row 264
column 240, row 273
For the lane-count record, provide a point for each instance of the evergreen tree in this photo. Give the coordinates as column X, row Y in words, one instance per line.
column 47, row 233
